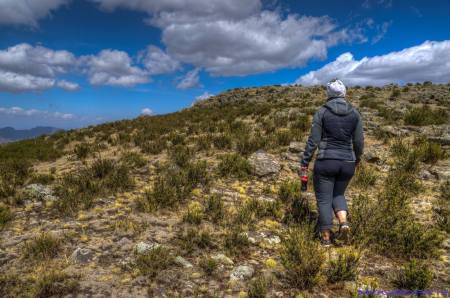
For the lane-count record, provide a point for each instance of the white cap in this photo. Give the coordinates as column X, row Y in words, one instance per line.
column 336, row 89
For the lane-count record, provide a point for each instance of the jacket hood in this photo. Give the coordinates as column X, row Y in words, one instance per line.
column 339, row 106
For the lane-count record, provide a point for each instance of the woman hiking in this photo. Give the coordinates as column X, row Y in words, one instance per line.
column 338, row 132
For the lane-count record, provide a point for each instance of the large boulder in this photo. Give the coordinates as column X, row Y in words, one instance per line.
column 39, row 192
column 82, row 255
column 242, row 272
column 264, row 164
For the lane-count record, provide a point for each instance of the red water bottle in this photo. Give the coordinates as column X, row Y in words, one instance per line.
column 304, row 178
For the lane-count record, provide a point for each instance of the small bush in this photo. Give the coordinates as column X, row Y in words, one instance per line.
column 289, row 191
column 214, row 208
column 195, row 213
column 425, row 116
column 82, row 150
column 344, row 266
column 234, row 165
column 133, row 159
column 414, row 275
column 236, row 241
column 258, row 287
column 209, row 265
column 431, row 152
column 365, row 176
column 222, row 141
column 43, row 247
column 13, row 174
column 193, row 239
column 5, row 215
column 302, row 258
column 153, row 261
column 180, row 155
column 54, row 284
column 153, row 147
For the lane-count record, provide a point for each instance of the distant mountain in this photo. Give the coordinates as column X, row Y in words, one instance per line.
column 9, row 134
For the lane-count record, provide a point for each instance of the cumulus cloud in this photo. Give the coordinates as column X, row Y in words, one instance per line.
column 146, row 111
column 190, row 80
column 114, row 68
column 236, row 37
column 69, row 86
column 429, row 61
column 18, row 111
column 27, row 68
column 156, row 61
column 26, row 12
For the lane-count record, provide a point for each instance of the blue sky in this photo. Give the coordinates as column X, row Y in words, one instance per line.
column 74, row 63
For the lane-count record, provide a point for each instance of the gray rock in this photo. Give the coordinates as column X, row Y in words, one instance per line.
column 443, row 173
column 264, row 164
column 425, row 175
column 296, row 147
column 142, row 247
column 39, row 192
column 183, row 262
column 371, row 156
column 223, row 259
column 82, row 255
column 242, row 272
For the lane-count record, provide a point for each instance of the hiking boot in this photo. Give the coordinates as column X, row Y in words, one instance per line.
column 344, row 232
column 325, row 243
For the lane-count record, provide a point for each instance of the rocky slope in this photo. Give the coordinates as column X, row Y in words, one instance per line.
column 206, row 203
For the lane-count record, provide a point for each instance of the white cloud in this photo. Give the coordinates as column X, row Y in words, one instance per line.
column 27, row 12
column 18, row 111
column 156, row 61
column 69, row 86
column 190, row 80
column 204, row 96
column 27, row 68
column 114, row 68
column 382, row 30
column 429, row 61
column 146, row 111
column 236, row 37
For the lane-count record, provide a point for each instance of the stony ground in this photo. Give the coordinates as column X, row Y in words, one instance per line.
column 99, row 245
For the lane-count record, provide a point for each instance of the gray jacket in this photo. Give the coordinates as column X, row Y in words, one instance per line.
column 338, row 132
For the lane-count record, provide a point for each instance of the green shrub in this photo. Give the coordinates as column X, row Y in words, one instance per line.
column 78, row 190
column 195, row 213
column 247, row 144
column 222, row 141
column 431, row 152
column 421, row 116
column 365, row 176
column 283, row 137
column 54, row 283
column 258, row 287
column 180, row 155
column 302, row 258
column 82, row 150
column 133, row 160
column 214, row 208
column 234, row 165
column 13, row 174
column 414, row 275
column 236, row 241
column 209, row 265
column 153, row 147
column 153, row 261
column 42, row 178
column 289, row 191
column 344, row 266
column 42, row 247
column 5, row 215
column 192, row 239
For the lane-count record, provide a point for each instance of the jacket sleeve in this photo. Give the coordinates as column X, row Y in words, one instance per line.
column 314, row 137
column 358, row 138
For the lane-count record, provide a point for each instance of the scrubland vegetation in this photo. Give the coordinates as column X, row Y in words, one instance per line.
column 187, row 182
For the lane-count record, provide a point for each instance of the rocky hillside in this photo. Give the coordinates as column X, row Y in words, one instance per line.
column 206, row 202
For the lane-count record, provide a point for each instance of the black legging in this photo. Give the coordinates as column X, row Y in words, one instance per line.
column 331, row 178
